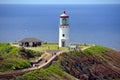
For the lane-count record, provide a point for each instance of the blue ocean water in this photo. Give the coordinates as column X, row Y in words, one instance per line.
column 94, row 24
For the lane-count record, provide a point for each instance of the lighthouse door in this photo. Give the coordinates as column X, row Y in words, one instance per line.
column 63, row 43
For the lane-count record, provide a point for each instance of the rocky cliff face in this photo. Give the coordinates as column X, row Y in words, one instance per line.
column 88, row 66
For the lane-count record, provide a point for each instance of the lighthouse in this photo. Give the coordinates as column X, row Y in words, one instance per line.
column 64, row 30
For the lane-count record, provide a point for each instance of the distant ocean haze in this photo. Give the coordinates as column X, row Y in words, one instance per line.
column 94, row 24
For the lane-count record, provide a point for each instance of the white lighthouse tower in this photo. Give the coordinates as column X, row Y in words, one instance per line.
column 64, row 30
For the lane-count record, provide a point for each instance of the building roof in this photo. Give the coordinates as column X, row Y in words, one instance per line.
column 72, row 46
column 29, row 40
column 64, row 15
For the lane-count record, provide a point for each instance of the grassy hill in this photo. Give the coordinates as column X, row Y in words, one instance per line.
column 14, row 58
column 53, row 72
column 95, row 63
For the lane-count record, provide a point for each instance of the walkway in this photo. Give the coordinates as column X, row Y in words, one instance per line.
column 40, row 65
column 44, row 63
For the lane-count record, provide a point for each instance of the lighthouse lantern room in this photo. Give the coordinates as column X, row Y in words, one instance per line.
column 64, row 30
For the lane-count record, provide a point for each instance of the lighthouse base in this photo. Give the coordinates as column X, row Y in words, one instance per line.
column 63, row 43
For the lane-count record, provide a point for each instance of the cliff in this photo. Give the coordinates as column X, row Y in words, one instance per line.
column 95, row 63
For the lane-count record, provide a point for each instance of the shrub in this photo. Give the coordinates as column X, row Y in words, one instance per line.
column 5, row 48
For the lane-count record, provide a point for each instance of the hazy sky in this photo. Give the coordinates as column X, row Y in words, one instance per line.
column 59, row 1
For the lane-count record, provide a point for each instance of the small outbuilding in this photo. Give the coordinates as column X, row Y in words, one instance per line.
column 30, row 42
column 74, row 47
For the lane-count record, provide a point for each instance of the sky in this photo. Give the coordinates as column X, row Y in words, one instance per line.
column 59, row 1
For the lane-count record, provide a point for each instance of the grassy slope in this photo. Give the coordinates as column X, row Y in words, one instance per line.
column 88, row 64
column 10, row 58
column 56, row 72
column 53, row 72
column 96, row 62
column 96, row 50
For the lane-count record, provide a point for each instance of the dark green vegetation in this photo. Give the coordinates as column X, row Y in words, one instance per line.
column 28, row 54
column 14, row 58
column 95, row 63
column 53, row 72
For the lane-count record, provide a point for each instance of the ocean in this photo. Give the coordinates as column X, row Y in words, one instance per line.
column 89, row 23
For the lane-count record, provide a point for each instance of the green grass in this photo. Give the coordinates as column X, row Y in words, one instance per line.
column 53, row 72
column 53, row 46
column 96, row 50
column 48, row 46
column 7, row 51
column 10, row 57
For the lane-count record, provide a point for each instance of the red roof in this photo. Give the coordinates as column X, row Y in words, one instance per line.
column 64, row 15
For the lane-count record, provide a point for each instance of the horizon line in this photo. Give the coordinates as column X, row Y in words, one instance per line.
column 57, row 3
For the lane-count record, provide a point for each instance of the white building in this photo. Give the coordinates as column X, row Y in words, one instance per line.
column 64, row 30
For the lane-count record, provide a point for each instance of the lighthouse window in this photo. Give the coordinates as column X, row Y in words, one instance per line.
column 64, row 21
column 63, row 35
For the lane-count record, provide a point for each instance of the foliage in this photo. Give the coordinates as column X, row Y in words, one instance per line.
column 5, row 48
column 96, row 50
column 13, row 64
column 85, row 65
column 10, row 59
column 54, row 72
column 26, row 53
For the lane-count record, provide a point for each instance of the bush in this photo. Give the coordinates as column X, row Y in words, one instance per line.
column 5, row 48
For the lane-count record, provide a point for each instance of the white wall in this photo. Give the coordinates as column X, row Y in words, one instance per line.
column 63, row 30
